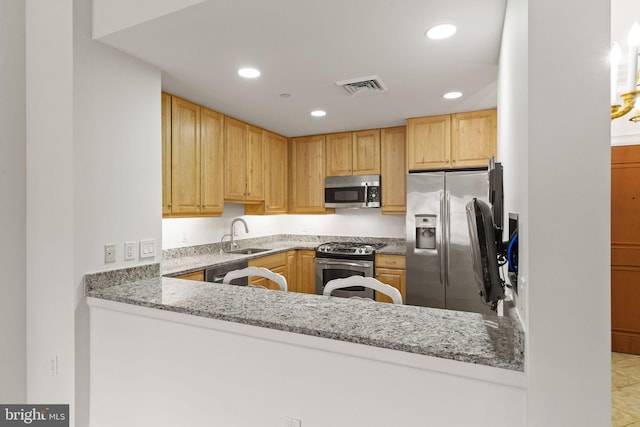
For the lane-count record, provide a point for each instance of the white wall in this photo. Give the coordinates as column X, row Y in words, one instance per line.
column 117, row 169
column 167, row 369
column 567, row 186
column 50, row 200
column 513, row 131
column 180, row 232
column 13, row 213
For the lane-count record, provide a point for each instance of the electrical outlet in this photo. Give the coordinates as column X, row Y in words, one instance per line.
column 292, row 422
column 110, row 253
column 129, row 251
column 53, row 365
column 147, row 248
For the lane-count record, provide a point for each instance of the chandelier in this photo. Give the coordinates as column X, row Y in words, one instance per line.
column 631, row 93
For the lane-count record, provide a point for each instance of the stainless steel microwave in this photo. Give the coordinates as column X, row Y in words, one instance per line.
column 352, row 191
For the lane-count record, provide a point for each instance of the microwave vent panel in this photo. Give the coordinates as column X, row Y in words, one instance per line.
column 363, row 84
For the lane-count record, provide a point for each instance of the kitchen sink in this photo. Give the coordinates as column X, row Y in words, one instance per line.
column 248, row 251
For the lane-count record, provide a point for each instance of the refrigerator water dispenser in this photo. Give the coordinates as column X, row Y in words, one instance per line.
column 425, row 231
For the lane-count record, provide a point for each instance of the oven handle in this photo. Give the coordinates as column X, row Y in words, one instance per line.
column 325, row 261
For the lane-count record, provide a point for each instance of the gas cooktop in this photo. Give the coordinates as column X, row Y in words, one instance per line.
column 349, row 248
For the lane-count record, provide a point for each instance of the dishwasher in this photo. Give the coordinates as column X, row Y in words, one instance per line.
column 216, row 274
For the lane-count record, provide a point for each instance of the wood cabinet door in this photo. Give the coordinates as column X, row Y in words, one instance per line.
column 366, row 152
column 166, row 154
column 625, row 249
column 307, row 271
column 291, row 271
column 235, row 158
column 429, row 143
column 275, row 263
column 391, row 269
column 307, row 173
column 254, row 164
column 185, row 157
column 339, row 150
column 394, row 277
column 211, row 162
column 392, row 170
column 473, row 138
column 195, row 275
column 276, row 167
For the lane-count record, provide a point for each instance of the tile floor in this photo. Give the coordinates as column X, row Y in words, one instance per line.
column 625, row 390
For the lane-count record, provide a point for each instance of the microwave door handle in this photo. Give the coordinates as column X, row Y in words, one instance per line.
column 366, row 194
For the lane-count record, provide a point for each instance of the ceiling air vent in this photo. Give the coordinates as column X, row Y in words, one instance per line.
column 363, row 84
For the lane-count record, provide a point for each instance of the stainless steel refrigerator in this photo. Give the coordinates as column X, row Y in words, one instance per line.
column 439, row 265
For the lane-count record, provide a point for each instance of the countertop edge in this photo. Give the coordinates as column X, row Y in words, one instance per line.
column 493, row 374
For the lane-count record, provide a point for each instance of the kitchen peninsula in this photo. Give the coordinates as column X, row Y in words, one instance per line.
column 454, row 335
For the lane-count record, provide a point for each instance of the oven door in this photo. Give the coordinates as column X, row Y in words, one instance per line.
column 328, row 269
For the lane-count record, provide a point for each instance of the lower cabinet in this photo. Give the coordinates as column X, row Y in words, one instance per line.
column 195, row 275
column 276, row 263
column 391, row 269
column 306, row 260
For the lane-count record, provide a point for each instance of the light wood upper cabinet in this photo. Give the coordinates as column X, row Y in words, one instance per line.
column 392, row 170
column 353, row 153
column 307, row 173
column 429, row 142
column 255, row 164
column 211, row 162
column 166, row 154
column 192, row 159
column 460, row 140
column 276, row 196
column 473, row 138
column 185, row 157
column 243, row 162
column 235, row 156
column 339, row 149
column 366, row 152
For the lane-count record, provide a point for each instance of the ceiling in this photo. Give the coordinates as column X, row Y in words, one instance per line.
column 302, row 48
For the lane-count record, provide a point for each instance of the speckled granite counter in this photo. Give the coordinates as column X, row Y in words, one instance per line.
column 465, row 337
column 187, row 260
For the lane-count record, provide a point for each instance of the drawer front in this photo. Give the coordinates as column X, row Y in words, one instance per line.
column 390, row 261
column 270, row 261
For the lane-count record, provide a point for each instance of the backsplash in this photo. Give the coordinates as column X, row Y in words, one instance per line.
column 186, row 232
column 213, row 248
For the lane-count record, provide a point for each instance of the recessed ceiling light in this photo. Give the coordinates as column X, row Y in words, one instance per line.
column 442, row 31
column 249, row 73
column 285, row 95
column 318, row 113
column 452, row 95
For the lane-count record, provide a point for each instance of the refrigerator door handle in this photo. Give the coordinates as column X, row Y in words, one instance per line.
column 447, row 235
column 440, row 240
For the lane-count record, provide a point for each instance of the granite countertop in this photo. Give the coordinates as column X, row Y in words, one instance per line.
column 187, row 260
column 466, row 337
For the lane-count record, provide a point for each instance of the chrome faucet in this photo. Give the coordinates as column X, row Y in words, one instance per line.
column 233, row 223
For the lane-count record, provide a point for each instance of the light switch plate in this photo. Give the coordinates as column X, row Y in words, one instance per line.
column 147, row 248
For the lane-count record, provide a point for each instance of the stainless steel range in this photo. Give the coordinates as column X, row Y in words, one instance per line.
column 337, row 260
